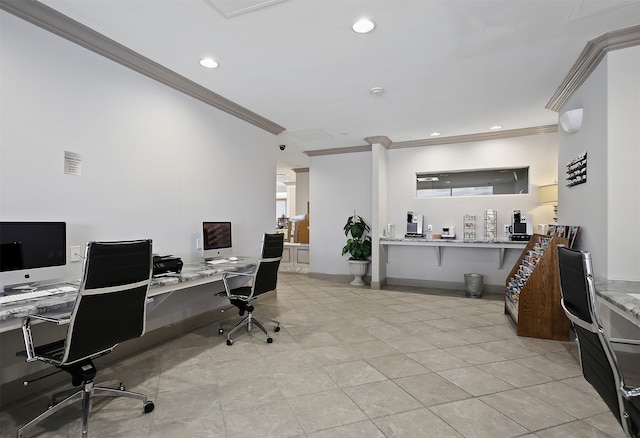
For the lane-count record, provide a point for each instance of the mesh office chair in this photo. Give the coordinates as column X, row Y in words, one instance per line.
column 110, row 308
column 600, row 365
column 263, row 279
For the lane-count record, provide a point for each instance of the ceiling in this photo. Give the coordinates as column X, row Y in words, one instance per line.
column 451, row 66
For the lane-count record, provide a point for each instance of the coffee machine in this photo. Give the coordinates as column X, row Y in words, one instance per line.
column 521, row 228
column 414, row 225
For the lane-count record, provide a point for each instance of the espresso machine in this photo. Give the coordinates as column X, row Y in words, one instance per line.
column 414, row 225
column 521, row 228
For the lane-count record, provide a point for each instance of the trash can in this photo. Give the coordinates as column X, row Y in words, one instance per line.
column 473, row 285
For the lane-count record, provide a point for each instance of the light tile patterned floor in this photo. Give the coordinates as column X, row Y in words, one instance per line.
column 349, row 362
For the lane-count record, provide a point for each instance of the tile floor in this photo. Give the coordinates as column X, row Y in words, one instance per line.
column 349, row 362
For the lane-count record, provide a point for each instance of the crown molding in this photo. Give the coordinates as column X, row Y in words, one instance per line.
column 379, row 139
column 337, row 151
column 388, row 144
column 53, row 21
column 481, row 136
column 591, row 55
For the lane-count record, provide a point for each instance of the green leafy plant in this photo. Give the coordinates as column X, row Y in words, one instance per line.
column 359, row 242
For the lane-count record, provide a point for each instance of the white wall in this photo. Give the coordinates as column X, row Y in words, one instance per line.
column 586, row 204
column 623, row 165
column 338, row 184
column 539, row 152
column 155, row 163
column 608, row 202
column 302, row 192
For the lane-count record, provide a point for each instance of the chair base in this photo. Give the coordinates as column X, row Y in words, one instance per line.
column 249, row 321
column 86, row 394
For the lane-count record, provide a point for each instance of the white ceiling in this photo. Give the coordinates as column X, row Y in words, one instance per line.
column 452, row 66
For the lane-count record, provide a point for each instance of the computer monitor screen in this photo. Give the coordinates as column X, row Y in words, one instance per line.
column 217, row 239
column 32, row 252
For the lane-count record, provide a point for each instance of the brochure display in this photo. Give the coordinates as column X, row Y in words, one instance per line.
column 532, row 291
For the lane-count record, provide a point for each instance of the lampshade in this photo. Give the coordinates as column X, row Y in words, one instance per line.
column 548, row 194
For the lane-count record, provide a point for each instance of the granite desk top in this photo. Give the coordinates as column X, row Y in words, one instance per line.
column 193, row 274
column 617, row 294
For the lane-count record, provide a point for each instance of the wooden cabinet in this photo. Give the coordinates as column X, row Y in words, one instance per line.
column 299, row 231
column 532, row 291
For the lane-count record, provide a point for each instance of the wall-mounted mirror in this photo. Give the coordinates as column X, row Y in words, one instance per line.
column 481, row 182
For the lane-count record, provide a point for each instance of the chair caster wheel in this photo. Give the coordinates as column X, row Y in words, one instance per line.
column 220, row 331
column 149, row 407
column 276, row 329
column 269, row 340
column 229, row 342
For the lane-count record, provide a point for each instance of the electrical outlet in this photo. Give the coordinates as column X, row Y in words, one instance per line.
column 506, row 228
column 75, row 254
column 429, row 227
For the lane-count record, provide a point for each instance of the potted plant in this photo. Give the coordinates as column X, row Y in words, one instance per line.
column 358, row 247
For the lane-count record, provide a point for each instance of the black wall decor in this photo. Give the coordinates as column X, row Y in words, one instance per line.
column 577, row 170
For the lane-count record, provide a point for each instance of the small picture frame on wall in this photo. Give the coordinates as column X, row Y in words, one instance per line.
column 577, row 170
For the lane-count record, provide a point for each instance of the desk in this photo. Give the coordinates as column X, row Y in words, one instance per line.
column 620, row 310
column 192, row 275
column 179, row 312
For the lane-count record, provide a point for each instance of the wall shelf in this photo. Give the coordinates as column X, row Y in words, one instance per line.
column 440, row 244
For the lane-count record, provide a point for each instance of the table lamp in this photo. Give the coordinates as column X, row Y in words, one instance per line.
column 549, row 195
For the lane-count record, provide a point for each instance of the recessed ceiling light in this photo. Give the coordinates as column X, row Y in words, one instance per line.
column 209, row 63
column 363, row 25
column 434, row 134
column 494, row 127
column 376, row 91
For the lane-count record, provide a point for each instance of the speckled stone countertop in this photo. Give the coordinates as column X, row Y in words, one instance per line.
column 192, row 274
column 617, row 294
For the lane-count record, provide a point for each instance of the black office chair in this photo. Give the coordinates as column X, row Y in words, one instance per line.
column 110, row 308
column 600, row 365
column 263, row 279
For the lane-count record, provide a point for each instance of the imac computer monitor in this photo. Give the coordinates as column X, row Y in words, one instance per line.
column 217, row 239
column 32, row 252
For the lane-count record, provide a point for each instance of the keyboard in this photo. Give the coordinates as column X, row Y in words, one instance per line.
column 217, row 261
column 40, row 293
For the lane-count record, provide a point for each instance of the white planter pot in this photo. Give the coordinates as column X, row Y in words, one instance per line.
column 358, row 269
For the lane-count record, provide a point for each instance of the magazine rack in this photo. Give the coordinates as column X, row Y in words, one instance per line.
column 532, row 291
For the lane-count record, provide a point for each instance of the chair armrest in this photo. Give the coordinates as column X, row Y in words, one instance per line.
column 227, row 289
column 625, row 341
column 626, row 345
column 234, row 274
column 629, row 393
column 58, row 319
column 627, row 353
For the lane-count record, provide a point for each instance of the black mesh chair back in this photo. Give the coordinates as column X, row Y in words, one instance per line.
column 111, row 303
column 267, row 273
column 597, row 358
column 110, row 308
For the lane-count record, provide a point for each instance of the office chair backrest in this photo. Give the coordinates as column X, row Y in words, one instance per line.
column 111, row 303
column 598, row 362
column 267, row 274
